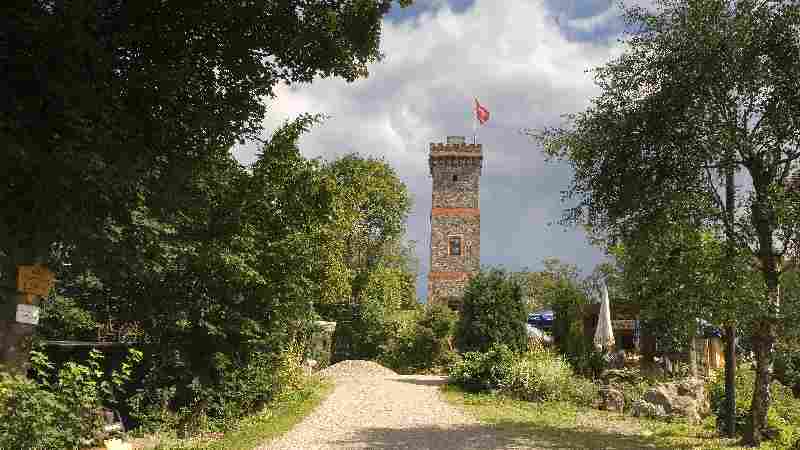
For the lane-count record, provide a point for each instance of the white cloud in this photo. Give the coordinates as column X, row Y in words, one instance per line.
column 509, row 54
column 592, row 23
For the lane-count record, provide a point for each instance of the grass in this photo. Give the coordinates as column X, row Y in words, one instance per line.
column 564, row 425
column 260, row 428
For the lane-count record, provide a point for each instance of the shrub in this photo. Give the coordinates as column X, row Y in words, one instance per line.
column 493, row 312
column 787, row 365
column 567, row 301
column 242, row 388
column 32, row 417
column 483, row 370
column 784, row 413
column 60, row 410
column 631, row 382
column 419, row 340
column 546, row 376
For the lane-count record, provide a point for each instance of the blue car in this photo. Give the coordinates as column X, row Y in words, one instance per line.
column 541, row 319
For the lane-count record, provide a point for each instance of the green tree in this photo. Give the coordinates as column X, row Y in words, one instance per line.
column 536, row 285
column 704, row 87
column 110, row 107
column 221, row 284
column 493, row 312
column 374, row 268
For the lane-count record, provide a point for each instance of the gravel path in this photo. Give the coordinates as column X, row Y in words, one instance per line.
column 371, row 407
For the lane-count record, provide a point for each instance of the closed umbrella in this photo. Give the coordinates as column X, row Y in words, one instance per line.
column 604, row 335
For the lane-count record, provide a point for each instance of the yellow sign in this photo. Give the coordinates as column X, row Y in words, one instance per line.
column 36, row 279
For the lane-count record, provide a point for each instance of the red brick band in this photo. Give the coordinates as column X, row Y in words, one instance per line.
column 459, row 212
column 450, row 276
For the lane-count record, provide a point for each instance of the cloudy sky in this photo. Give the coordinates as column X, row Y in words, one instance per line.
column 525, row 60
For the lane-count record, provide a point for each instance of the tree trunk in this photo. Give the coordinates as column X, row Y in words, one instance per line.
column 763, row 346
column 730, row 380
column 730, row 330
column 15, row 338
column 693, row 349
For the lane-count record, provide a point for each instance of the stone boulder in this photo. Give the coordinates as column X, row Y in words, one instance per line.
column 611, row 400
column 641, row 408
column 684, row 398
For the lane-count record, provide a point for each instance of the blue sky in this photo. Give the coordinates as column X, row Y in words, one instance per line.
column 526, row 60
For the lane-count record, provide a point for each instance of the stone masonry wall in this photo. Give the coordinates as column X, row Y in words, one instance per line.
column 464, row 192
column 456, row 170
column 442, row 290
column 469, row 228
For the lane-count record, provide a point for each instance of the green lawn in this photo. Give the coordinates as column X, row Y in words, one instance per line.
column 563, row 425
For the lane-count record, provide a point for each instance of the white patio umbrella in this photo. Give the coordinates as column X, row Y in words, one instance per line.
column 604, row 335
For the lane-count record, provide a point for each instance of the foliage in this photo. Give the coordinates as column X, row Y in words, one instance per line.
column 421, row 340
column 568, row 301
column 63, row 318
column 179, row 85
column 703, row 89
column 784, row 413
column 219, row 282
column 149, row 220
column 61, row 408
column 479, row 371
column 363, row 328
column 370, row 269
column 279, row 416
column 33, row 417
column 493, row 312
column 566, row 425
column 539, row 376
column 242, row 389
column 535, row 285
column 543, row 376
column 787, row 366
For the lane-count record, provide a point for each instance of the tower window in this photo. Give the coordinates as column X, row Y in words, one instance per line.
column 455, row 177
column 455, row 245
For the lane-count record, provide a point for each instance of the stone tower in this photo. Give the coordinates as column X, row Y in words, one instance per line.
column 455, row 219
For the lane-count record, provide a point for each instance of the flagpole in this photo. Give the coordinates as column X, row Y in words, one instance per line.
column 475, row 122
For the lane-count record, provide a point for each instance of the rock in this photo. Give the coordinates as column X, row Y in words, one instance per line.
column 685, row 398
column 641, row 408
column 611, row 400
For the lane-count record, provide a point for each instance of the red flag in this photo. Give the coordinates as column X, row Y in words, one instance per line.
column 481, row 112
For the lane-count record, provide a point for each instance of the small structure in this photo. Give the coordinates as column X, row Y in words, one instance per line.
column 633, row 338
column 625, row 325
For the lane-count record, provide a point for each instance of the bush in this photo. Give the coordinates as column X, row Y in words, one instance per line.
column 419, row 340
column 61, row 410
column 537, row 376
column 567, row 301
column 545, row 376
column 241, row 388
column 787, row 366
column 631, row 382
column 493, row 312
column 784, row 413
column 32, row 417
column 482, row 371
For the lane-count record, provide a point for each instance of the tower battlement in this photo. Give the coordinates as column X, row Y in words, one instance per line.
column 454, row 153
column 438, row 148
